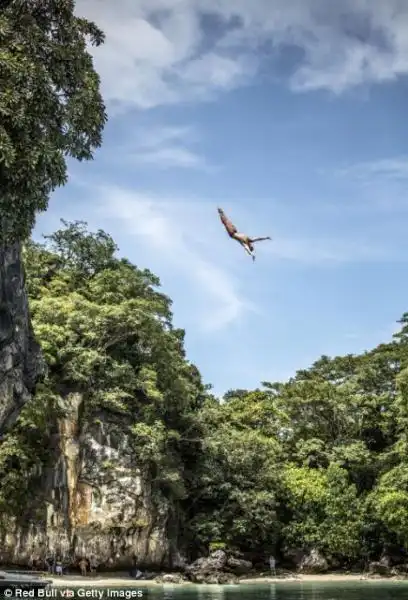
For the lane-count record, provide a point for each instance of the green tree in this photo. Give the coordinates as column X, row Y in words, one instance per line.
column 326, row 513
column 389, row 503
column 317, row 462
column 50, row 105
column 235, row 496
column 107, row 336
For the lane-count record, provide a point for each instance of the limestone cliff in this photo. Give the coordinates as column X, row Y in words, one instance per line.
column 96, row 501
column 20, row 355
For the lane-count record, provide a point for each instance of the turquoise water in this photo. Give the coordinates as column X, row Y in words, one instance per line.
column 288, row 591
column 279, row 591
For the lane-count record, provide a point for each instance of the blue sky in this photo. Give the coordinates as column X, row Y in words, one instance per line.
column 291, row 116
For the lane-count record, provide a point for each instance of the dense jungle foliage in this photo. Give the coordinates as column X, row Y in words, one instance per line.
column 319, row 461
column 50, row 105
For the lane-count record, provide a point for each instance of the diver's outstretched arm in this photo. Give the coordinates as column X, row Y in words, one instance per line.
column 229, row 226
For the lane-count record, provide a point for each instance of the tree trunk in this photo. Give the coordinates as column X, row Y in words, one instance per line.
column 21, row 362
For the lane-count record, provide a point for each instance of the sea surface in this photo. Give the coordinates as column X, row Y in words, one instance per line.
column 364, row 590
column 287, row 591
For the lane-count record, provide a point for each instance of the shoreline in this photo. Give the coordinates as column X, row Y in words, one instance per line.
column 106, row 581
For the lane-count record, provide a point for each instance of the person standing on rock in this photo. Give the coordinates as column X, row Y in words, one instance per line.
column 93, row 565
column 135, row 573
column 272, row 565
column 58, row 566
column 83, row 566
column 51, row 564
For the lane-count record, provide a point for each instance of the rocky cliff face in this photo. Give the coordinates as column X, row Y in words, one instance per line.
column 21, row 364
column 96, row 501
column 93, row 499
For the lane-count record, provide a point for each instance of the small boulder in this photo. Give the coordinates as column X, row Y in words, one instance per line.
column 314, row 562
column 238, row 565
column 221, row 578
column 294, row 556
column 379, row 568
column 385, row 560
column 211, row 569
column 206, row 564
column 217, row 559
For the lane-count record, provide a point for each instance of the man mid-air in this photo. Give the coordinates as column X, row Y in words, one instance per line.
column 246, row 242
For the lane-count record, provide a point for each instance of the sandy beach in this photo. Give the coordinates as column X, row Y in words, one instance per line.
column 106, row 581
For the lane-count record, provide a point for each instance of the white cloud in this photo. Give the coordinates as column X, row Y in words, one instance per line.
column 167, row 51
column 157, row 145
column 167, row 147
column 395, row 168
column 334, row 250
column 333, row 244
column 161, row 136
column 170, row 230
column 170, row 157
column 376, row 186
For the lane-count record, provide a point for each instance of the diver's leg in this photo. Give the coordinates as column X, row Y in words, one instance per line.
column 248, row 250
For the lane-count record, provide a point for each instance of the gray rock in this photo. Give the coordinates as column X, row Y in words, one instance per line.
column 385, row 560
column 215, row 577
column 238, row 565
column 214, row 569
column 21, row 362
column 314, row 562
column 294, row 555
column 378, row 568
column 89, row 508
column 217, row 559
column 215, row 562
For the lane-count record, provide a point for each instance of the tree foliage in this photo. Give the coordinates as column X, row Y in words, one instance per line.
column 327, row 456
column 106, row 334
column 317, row 462
column 50, row 104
